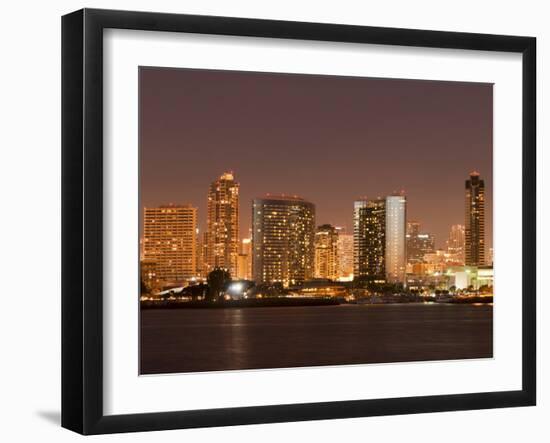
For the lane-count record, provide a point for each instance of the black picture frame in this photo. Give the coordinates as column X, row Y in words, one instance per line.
column 82, row 218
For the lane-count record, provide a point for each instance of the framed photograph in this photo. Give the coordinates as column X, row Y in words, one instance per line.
column 269, row 221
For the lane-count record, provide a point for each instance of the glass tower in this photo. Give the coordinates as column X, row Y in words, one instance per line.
column 326, row 252
column 475, row 221
column 283, row 236
column 456, row 242
column 396, row 225
column 345, row 254
column 222, row 224
column 418, row 243
column 369, row 235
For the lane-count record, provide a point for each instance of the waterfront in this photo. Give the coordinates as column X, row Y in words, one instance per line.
column 181, row 340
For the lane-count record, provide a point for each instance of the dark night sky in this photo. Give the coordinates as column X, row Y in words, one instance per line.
column 328, row 139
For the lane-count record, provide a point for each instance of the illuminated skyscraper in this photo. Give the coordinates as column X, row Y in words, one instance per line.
column 283, row 239
column 358, row 236
column 369, row 238
column 244, row 260
column 396, row 248
column 345, row 254
column 475, row 221
column 326, row 252
column 169, row 241
column 456, row 242
column 222, row 224
column 200, row 253
column 418, row 243
column 413, row 228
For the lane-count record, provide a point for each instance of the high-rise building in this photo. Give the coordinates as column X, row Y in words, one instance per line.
column 169, row 241
column 456, row 243
column 359, row 244
column 283, row 240
column 369, row 238
column 413, row 228
column 222, row 224
column 396, row 248
column 326, row 252
column 475, row 221
column 203, row 245
column 244, row 260
column 149, row 280
column 418, row 243
column 345, row 254
column 200, row 254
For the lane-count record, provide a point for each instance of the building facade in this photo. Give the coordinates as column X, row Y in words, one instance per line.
column 472, row 277
column 222, row 224
column 396, row 247
column 169, row 241
column 345, row 255
column 283, row 240
column 326, row 252
column 490, row 257
column 418, row 243
column 369, row 238
column 475, row 221
column 200, row 254
column 244, row 260
column 359, row 243
column 149, row 279
column 456, row 243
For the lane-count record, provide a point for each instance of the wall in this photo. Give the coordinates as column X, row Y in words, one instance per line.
column 30, row 222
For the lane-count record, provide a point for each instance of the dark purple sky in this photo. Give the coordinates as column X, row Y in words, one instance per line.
column 329, row 139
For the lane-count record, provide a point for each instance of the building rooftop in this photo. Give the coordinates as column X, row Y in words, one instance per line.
column 284, row 197
column 171, row 206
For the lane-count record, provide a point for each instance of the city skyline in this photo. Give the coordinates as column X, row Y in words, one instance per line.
column 423, row 234
column 288, row 219
column 385, row 244
column 332, row 164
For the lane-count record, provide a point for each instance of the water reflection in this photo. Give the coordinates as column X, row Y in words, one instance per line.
column 190, row 340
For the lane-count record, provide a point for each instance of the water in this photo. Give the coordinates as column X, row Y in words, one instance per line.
column 193, row 340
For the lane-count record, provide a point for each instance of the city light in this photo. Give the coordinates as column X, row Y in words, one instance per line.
column 337, row 264
column 286, row 250
column 236, row 288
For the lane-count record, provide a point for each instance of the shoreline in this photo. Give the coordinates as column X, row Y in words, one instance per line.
column 294, row 302
column 247, row 303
